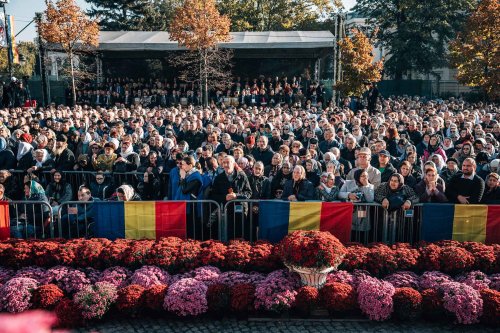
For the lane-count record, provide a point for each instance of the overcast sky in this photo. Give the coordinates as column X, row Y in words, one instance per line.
column 24, row 11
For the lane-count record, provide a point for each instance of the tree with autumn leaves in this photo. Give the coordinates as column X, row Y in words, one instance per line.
column 199, row 27
column 476, row 50
column 65, row 24
column 358, row 65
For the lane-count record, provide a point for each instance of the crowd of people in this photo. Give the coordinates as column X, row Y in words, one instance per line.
column 405, row 150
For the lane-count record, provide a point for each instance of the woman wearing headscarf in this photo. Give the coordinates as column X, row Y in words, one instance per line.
column 58, row 191
column 394, row 194
column 492, row 189
column 312, row 172
column 33, row 218
column 299, row 188
column 434, row 147
column 83, row 145
column 128, row 160
column 448, row 147
column 450, row 170
column 24, row 156
column 127, row 193
column 429, row 190
column 278, row 182
column 42, row 162
column 466, row 151
column 327, row 190
column 7, row 158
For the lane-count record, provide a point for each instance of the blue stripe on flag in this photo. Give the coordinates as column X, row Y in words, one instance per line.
column 110, row 220
column 437, row 222
column 273, row 220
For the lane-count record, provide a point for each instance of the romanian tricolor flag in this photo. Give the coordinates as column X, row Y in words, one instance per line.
column 140, row 219
column 477, row 223
column 4, row 220
column 278, row 218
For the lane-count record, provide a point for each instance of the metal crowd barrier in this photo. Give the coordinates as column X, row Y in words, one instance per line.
column 75, row 219
column 367, row 223
column 403, row 226
column 241, row 219
column 370, row 222
column 31, row 219
column 203, row 220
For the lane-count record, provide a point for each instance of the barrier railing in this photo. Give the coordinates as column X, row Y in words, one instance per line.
column 203, row 220
column 31, row 219
column 241, row 219
column 370, row 222
column 367, row 223
column 402, row 225
column 75, row 219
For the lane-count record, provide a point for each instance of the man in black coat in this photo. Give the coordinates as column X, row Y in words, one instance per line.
column 466, row 187
column 63, row 157
column 232, row 184
column 263, row 151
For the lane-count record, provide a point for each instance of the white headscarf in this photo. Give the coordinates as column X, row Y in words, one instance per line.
column 128, row 191
column 24, row 148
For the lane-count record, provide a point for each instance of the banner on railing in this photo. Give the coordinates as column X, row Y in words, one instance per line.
column 476, row 223
column 140, row 219
column 278, row 218
column 4, row 220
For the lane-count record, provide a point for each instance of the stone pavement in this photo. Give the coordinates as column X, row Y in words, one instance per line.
column 148, row 325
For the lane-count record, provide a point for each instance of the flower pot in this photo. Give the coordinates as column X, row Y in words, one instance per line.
column 313, row 277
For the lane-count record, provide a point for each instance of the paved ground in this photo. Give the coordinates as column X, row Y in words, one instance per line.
column 271, row 326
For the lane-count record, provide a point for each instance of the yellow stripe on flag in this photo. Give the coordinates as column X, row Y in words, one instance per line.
column 469, row 223
column 304, row 216
column 140, row 220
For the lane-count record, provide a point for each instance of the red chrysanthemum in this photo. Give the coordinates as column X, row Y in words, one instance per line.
column 407, row 303
column 155, row 296
column 130, row 298
column 338, row 297
column 47, row 296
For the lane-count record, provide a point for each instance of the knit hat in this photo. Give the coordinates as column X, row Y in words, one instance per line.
column 451, row 159
column 250, row 140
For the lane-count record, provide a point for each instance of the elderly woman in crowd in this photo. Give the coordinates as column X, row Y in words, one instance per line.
column 327, row 190
column 394, row 194
column 278, row 182
column 127, row 193
column 299, row 188
column 491, row 193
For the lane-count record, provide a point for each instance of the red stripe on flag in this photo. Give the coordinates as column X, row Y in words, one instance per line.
column 493, row 225
column 337, row 219
column 170, row 219
column 4, row 220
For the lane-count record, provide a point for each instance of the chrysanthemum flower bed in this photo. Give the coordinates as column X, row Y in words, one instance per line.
column 191, row 278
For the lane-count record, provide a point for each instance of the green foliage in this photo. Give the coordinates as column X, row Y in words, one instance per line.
column 28, row 51
column 415, row 33
column 276, row 15
column 147, row 15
